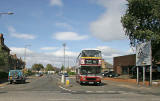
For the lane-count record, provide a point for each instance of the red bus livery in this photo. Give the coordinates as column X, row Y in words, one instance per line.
column 89, row 67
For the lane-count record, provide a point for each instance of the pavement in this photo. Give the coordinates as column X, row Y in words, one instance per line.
column 47, row 88
column 109, row 86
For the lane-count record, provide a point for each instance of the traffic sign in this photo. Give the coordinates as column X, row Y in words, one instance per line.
column 143, row 54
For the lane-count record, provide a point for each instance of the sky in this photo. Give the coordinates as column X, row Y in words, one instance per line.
column 42, row 26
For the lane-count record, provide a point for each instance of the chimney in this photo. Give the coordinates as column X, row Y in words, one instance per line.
column 1, row 39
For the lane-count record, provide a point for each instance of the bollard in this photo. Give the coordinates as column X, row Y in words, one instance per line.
column 62, row 79
column 67, row 81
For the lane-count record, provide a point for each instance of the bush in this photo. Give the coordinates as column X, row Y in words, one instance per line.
column 71, row 73
column 3, row 75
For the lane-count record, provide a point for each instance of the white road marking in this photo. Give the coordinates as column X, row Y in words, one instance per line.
column 66, row 89
column 66, row 93
column 111, row 91
column 100, row 91
column 89, row 91
column 63, row 99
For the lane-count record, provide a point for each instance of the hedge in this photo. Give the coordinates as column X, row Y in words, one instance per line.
column 3, row 75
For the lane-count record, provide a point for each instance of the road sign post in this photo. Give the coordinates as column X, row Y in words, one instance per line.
column 150, row 75
column 137, row 75
column 143, row 58
column 144, row 75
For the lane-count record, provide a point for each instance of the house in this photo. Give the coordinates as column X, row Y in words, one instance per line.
column 8, row 61
column 16, row 63
column 106, row 66
column 4, row 55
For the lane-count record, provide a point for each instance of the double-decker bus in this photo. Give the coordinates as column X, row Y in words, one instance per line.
column 89, row 67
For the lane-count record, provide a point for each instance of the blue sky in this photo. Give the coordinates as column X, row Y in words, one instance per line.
column 45, row 25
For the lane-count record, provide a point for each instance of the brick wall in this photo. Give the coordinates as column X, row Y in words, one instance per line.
column 123, row 61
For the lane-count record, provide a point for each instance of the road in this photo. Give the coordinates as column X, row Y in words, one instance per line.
column 47, row 88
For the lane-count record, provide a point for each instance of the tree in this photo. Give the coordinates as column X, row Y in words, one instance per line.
column 62, row 68
column 49, row 67
column 41, row 66
column 37, row 67
column 142, row 23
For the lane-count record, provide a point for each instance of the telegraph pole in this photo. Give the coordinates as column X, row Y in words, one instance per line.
column 25, row 47
column 64, row 45
column 68, row 61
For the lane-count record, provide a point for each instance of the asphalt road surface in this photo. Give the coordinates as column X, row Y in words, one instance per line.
column 47, row 88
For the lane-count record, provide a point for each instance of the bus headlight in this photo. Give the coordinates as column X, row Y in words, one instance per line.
column 100, row 62
column 82, row 61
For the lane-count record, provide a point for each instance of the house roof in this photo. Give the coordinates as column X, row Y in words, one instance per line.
column 2, row 42
column 5, row 47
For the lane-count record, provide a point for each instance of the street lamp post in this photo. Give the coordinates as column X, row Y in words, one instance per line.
column 9, row 13
column 25, row 47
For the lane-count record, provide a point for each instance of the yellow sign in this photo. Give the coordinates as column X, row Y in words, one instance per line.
column 91, row 57
column 67, row 82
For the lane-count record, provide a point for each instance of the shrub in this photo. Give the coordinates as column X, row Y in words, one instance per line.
column 71, row 73
column 3, row 75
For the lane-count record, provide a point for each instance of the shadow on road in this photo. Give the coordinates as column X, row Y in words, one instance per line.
column 102, row 84
column 2, row 92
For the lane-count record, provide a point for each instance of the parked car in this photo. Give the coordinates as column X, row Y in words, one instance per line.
column 16, row 76
column 104, row 74
column 37, row 75
column 65, row 74
column 112, row 74
column 60, row 74
column 109, row 74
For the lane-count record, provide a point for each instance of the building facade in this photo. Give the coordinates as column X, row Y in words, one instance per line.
column 8, row 61
column 106, row 66
column 4, row 55
column 124, row 64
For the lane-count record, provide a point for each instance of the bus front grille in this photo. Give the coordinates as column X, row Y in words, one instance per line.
column 91, row 78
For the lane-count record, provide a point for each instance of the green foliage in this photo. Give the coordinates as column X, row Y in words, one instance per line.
column 27, row 72
column 37, row 67
column 49, row 67
column 62, row 68
column 3, row 75
column 68, row 70
column 142, row 23
column 71, row 73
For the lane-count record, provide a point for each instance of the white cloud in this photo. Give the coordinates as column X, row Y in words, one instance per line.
column 64, row 25
column 55, row 57
column 15, row 34
column 48, row 48
column 69, row 36
column 132, row 50
column 56, row 3
column 108, row 26
column 108, row 53
column 20, row 51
